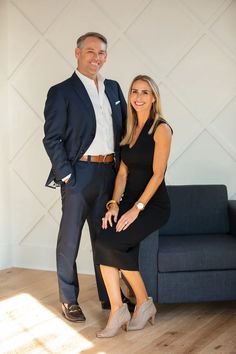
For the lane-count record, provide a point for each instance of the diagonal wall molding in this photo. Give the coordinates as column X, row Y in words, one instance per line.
column 185, row 45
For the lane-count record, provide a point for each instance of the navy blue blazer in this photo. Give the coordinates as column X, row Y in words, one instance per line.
column 70, row 124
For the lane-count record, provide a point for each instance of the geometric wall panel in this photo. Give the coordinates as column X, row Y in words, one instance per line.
column 20, row 42
column 55, row 210
column 204, row 162
column 225, row 27
column 115, row 10
column 42, row 69
column 23, row 121
column 185, row 126
column 205, row 87
column 41, row 13
column 26, row 210
column 225, row 126
column 162, row 31
column 33, row 168
column 187, row 46
column 44, row 234
column 203, row 9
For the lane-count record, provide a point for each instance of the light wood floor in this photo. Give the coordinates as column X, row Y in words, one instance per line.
column 31, row 322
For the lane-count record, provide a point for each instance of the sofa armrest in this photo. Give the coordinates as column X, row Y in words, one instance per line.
column 232, row 216
column 148, row 263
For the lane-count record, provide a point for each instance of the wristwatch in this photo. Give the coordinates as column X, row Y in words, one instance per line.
column 140, row 206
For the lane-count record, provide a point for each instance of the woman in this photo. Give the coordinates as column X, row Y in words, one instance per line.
column 139, row 205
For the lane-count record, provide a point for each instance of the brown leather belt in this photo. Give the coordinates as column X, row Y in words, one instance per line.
column 98, row 158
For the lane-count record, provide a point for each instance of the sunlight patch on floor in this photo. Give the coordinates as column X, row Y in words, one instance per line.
column 26, row 326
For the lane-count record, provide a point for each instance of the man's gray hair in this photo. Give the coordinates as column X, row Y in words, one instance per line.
column 82, row 38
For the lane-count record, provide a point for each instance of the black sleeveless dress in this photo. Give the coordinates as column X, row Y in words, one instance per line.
column 121, row 249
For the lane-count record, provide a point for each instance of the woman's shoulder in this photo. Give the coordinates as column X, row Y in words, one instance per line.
column 160, row 121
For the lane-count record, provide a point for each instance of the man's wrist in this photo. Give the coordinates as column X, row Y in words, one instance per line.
column 66, row 178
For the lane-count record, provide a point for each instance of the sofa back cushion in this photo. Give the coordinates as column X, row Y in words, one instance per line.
column 197, row 209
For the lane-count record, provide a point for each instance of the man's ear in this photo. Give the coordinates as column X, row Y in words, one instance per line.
column 77, row 53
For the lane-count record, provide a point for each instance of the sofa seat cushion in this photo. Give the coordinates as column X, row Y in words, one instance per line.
column 196, row 252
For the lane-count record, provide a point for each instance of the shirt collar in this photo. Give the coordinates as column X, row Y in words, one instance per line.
column 87, row 81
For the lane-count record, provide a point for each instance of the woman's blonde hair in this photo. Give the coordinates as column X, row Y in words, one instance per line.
column 132, row 119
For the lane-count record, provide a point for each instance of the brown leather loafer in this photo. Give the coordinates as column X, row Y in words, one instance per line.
column 73, row 312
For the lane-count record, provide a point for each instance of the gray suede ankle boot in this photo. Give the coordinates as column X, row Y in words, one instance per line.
column 119, row 320
column 146, row 312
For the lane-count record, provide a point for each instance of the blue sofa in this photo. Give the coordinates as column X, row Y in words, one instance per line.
column 193, row 257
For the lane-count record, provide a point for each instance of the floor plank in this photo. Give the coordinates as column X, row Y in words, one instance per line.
column 31, row 322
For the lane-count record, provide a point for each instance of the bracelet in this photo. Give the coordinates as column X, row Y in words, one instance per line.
column 112, row 201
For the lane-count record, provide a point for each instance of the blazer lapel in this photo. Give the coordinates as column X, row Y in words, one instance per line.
column 83, row 94
column 113, row 101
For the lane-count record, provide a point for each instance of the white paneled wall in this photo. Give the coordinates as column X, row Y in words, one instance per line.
column 5, row 236
column 187, row 46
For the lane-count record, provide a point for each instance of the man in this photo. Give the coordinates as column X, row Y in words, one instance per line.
column 84, row 122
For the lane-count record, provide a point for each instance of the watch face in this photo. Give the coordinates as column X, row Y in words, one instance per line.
column 140, row 206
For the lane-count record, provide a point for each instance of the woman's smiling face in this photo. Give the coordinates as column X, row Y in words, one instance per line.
column 141, row 96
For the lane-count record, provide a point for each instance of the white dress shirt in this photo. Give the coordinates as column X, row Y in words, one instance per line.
column 103, row 142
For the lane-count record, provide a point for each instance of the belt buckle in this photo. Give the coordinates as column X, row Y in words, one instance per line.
column 104, row 158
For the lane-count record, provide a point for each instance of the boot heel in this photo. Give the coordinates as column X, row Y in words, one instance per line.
column 125, row 326
column 152, row 320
